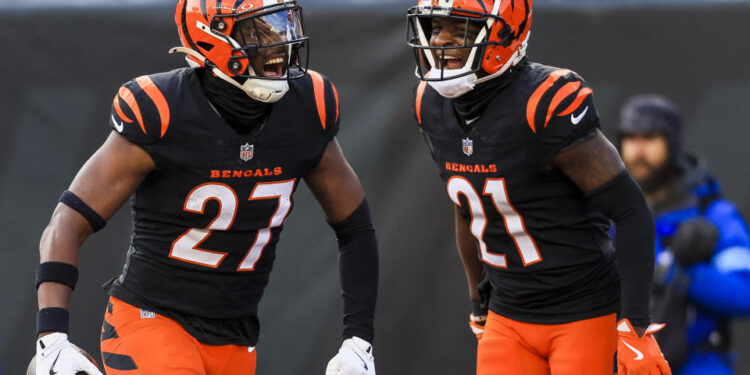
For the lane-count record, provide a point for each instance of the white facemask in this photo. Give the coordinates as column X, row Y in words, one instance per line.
column 452, row 87
column 264, row 90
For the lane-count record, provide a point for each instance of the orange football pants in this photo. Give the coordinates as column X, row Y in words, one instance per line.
column 584, row 347
column 136, row 343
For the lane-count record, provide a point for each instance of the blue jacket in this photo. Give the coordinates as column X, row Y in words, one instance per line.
column 720, row 288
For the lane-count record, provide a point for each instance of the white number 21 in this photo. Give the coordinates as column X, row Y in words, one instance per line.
column 495, row 188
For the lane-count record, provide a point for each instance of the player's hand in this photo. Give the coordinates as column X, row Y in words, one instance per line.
column 56, row 355
column 639, row 355
column 354, row 358
column 476, row 323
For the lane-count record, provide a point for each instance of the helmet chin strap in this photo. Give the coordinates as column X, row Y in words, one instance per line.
column 262, row 90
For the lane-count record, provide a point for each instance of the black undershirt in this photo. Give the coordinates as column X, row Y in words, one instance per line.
column 471, row 105
column 242, row 113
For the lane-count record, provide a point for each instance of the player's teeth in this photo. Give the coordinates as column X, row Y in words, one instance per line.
column 274, row 61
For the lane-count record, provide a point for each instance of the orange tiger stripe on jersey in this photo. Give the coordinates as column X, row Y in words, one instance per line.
column 118, row 109
column 565, row 91
column 320, row 97
column 540, row 91
column 418, row 104
column 336, row 96
column 127, row 95
column 132, row 344
column 157, row 97
column 577, row 102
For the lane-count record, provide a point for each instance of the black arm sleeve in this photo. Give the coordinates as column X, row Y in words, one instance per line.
column 622, row 201
column 358, row 268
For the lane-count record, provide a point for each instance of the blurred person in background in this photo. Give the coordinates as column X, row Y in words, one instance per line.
column 212, row 155
column 702, row 276
column 535, row 184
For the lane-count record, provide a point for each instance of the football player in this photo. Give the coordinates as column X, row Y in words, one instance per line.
column 535, row 184
column 211, row 156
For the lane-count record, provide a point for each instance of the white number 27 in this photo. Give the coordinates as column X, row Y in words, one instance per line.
column 185, row 247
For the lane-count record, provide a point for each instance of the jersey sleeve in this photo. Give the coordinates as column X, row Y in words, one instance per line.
column 140, row 112
column 416, row 108
column 327, row 103
column 561, row 112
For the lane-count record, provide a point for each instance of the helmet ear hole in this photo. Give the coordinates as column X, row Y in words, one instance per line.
column 204, row 45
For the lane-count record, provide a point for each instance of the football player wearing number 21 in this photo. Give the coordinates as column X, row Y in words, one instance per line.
column 535, row 184
column 210, row 156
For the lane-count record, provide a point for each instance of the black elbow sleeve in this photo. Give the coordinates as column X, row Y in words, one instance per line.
column 622, row 201
column 358, row 268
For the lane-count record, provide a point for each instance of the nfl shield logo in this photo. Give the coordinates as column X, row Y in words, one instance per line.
column 246, row 152
column 468, row 146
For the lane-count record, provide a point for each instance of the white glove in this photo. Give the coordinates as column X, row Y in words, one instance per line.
column 56, row 355
column 354, row 358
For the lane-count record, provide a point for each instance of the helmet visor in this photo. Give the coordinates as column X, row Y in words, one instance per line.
column 272, row 41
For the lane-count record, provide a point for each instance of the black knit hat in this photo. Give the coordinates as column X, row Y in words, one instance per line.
column 653, row 113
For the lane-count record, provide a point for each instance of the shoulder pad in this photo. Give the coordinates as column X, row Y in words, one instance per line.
column 142, row 102
column 560, row 94
column 326, row 99
column 419, row 94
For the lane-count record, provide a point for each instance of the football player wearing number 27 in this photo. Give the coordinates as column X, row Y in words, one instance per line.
column 535, row 184
column 211, row 155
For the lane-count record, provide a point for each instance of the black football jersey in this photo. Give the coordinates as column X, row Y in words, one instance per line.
column 546, row 251
column 207, row 220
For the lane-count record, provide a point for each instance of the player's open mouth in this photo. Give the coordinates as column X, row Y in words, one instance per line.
column 274, row 66
column 450, row 62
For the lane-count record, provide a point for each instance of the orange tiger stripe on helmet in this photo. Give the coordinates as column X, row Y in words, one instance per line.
column 565, row 91
column 418, row 104
column 157, row 97
column 126, row 95
column 577, row 102
column 540, row 91
column 210, row 4
column 320, row 98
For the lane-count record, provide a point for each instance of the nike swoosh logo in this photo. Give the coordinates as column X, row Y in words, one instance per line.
column 638, row 354
column 52, row 368
column 576, row 119
column 119, row 126
column 361, row 359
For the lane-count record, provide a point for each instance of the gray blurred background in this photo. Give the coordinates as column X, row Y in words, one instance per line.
column 61, row 63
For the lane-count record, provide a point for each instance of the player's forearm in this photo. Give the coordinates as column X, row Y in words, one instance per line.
column 622, row 201
column 358, row 268
column 467, row 249
column 60, row 243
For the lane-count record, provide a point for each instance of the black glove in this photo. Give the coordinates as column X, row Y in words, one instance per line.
column 694, row 242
